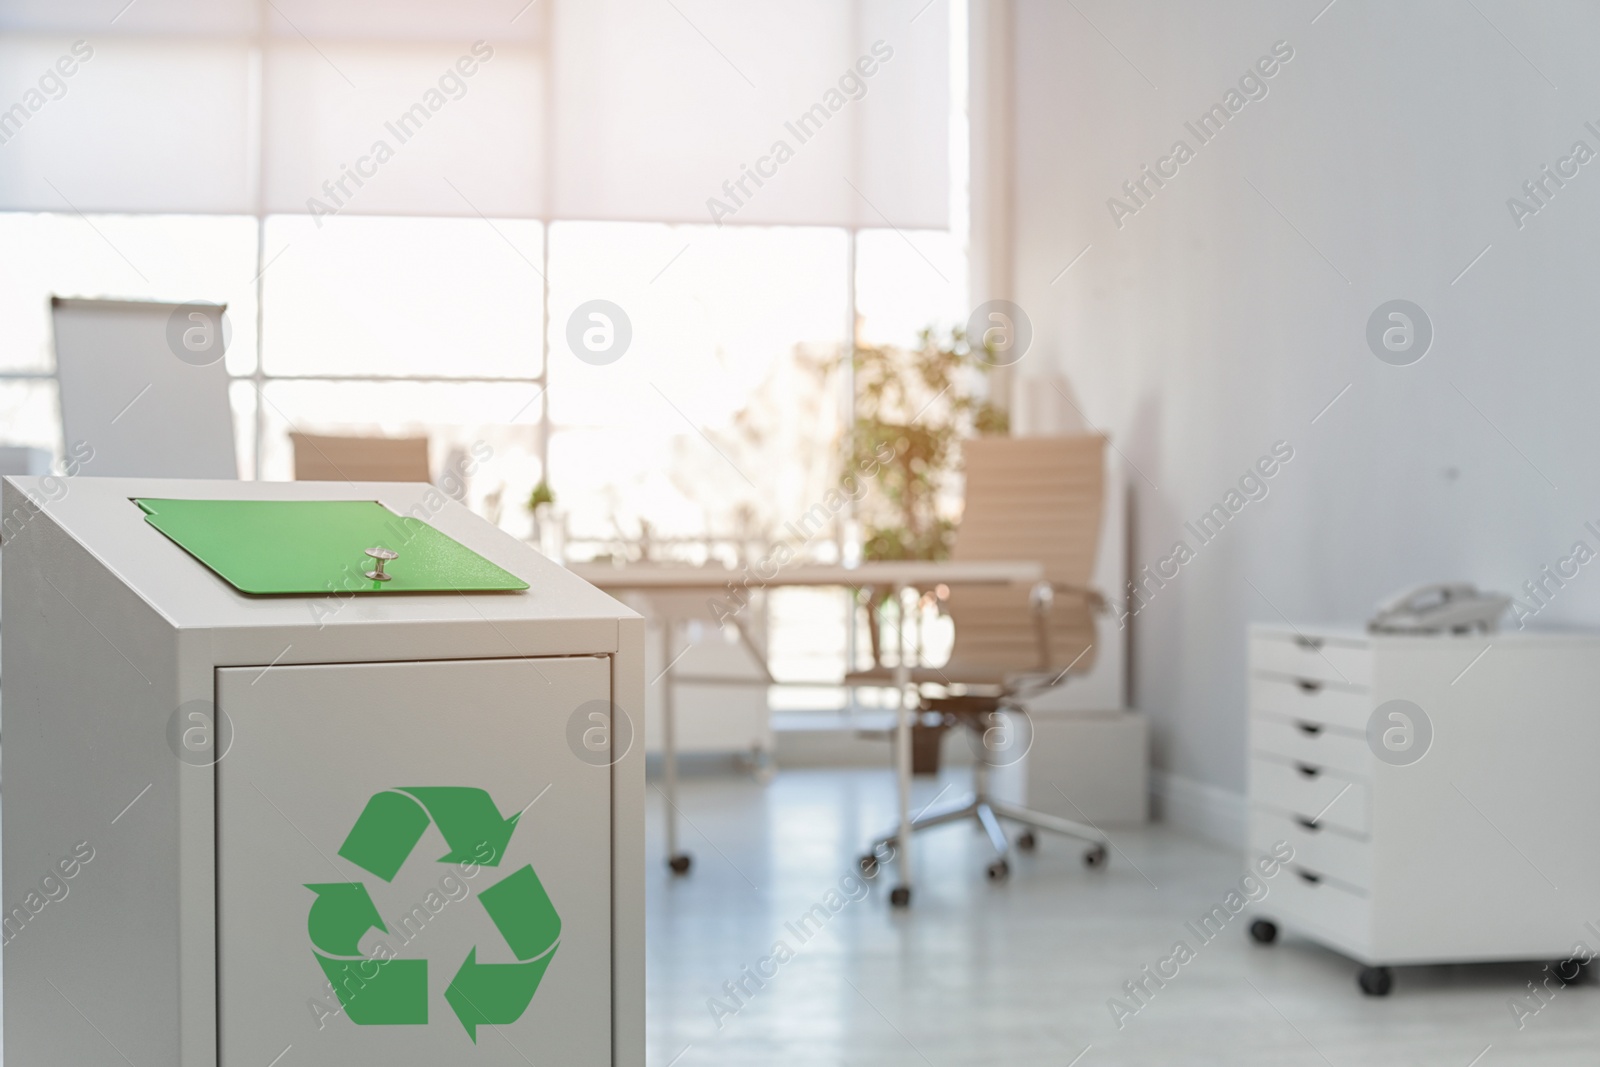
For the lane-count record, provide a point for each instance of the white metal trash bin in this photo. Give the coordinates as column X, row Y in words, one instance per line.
column 257, row 801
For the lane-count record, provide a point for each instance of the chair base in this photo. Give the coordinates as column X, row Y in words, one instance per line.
column 988, row 813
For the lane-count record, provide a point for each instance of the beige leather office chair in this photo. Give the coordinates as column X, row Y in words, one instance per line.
column 1028, row 498
column 319, row 458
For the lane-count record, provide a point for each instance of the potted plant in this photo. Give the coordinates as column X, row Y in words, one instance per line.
column 547, row 525
column 920, row 403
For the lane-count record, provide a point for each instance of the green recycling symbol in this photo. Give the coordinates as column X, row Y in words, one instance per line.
column 481, row 994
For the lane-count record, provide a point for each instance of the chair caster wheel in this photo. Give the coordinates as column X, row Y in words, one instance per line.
column 1571, row 972
column 868, row 865
column 1376, row 981
column 679, row 863
column 900, row 896
column 1095, row 856
column 998, row 870
column 1027, row 842
column 1263, row 932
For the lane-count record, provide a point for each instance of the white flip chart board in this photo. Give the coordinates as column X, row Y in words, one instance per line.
column 143, row 383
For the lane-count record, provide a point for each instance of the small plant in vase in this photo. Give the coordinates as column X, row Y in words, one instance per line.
column 547, row 527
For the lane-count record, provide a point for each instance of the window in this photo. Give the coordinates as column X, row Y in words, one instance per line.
column 708, row 424
column 427, row 327
column 716, row 427
column 436, row 326
column 402, row 297
column 907, row 280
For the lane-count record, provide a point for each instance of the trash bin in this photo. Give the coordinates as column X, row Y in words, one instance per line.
column 312, row 774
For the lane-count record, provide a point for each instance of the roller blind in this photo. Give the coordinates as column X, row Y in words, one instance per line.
column 832, row 112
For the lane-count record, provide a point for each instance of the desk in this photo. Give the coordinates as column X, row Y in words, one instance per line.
column 898, row 576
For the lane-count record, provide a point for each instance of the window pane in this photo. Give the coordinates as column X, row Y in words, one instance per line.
column 178, row 258
column 488, row 432
column 718, row 418
column 907, row 280
column 387, row 296
column 30, row 415
column 242, row 398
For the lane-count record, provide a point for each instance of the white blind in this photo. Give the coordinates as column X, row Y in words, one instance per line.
column 834, row 112
column 660, row 104
column 416, row 135
column 140, row 124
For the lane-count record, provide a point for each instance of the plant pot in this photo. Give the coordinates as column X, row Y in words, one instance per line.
column 927, row 742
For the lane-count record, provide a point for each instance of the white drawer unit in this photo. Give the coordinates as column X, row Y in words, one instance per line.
column 1436, row 791
column 1325, row 909
column 1310, row 701
column 342, row 773
column 1309, row 743
column 1343, row 659
column 1309, row 792
column 1329, row 851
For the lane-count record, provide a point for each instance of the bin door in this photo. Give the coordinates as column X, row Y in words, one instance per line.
column 424, row 837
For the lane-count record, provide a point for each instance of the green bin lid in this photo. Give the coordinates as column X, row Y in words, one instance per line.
column 313, row 547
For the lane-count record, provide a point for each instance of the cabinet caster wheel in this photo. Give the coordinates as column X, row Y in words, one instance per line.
column 1095, row 857
column 998, row 870
column 1263, row 932
column 1027, row 842
column 900, row 896
column 868, row 865
column 1376, row 981
column 679, row 863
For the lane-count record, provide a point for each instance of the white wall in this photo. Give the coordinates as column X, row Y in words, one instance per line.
column 1207, row 328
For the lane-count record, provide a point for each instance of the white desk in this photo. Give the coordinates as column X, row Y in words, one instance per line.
column 898, row 576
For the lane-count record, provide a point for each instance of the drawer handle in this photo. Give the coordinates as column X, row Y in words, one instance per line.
column 1308, row 877
column 1310, row 729
column 1308, row 824
column 1308, row 686
column 1313, row 644
column 1308, row 770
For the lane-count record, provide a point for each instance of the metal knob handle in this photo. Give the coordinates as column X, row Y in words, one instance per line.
column 382, row 556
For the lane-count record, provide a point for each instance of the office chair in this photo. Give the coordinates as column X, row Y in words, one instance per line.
column 1029, row 498
column 320, row 458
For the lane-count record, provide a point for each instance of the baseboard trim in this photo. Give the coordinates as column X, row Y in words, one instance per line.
column 1207, row 810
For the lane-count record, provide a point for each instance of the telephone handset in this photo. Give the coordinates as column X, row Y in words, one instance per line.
column 1443, row 607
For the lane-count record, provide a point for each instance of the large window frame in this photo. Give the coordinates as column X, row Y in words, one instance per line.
column 260, row 378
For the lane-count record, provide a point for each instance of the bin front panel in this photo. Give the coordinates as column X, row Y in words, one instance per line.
column 429, row 838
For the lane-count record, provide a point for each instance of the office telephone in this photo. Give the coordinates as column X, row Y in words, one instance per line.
column 1442, row 607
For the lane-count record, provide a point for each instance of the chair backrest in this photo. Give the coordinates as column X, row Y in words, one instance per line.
column 360, row 459
column 1029, row 498
column 133, row 387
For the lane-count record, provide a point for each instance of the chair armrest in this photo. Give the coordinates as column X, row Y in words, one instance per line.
column 1043, row 593
column 875, row 598
column 1041, row 597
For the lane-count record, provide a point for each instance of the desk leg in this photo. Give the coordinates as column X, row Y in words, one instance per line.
column 900, row 896
column 678, row 861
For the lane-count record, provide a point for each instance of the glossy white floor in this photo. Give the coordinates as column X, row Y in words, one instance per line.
column 1020, row 973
